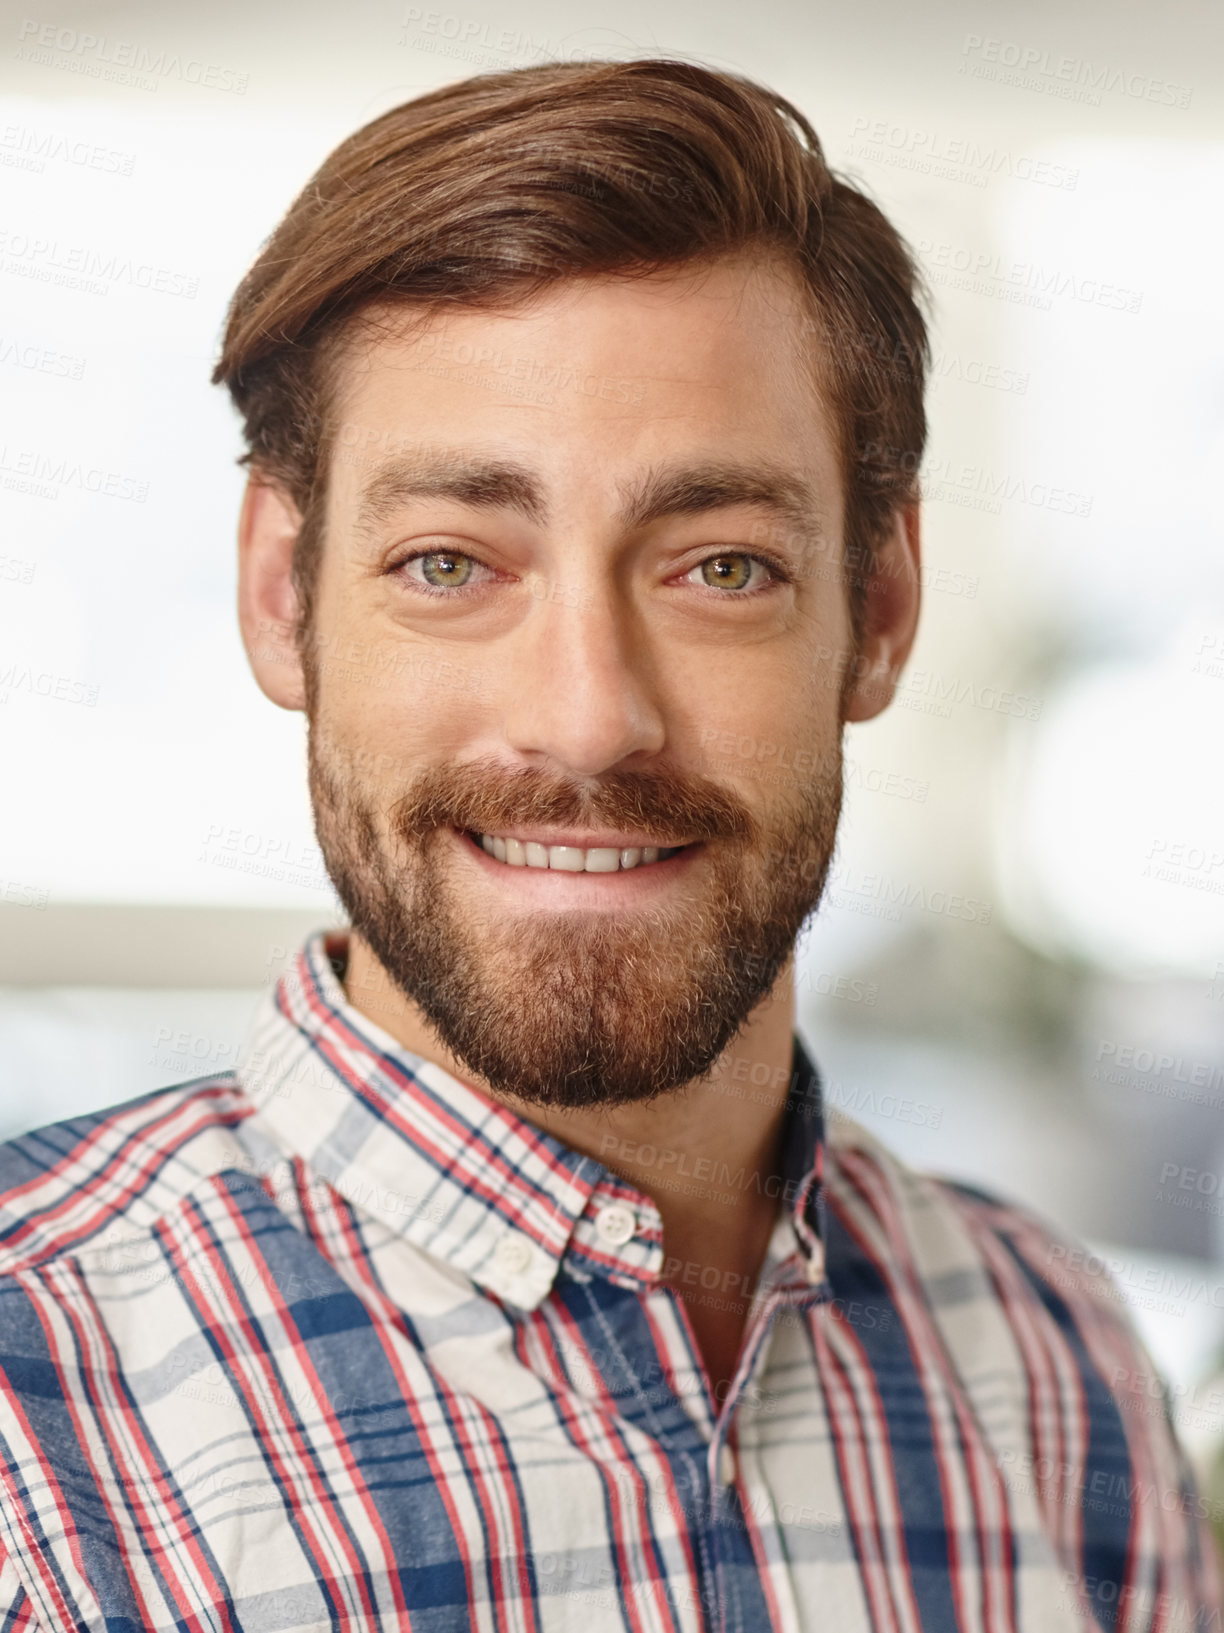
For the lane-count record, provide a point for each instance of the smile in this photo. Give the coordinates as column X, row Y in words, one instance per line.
column 557, row 870
column 529, row 853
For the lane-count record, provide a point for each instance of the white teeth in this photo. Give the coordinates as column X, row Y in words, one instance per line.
column 601, row 860
column 566, row 858
column 518, row 853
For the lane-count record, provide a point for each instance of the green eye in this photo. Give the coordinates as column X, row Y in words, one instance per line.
column 727, row 572
column 445, row 568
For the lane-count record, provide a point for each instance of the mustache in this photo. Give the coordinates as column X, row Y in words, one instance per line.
column 483, row 796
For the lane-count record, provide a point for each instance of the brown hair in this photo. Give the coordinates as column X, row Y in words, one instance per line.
column 490, row 189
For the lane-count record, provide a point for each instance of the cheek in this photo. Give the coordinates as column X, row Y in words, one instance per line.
column 815, row 678
column 411, row 724
column 768, row 735
column 391, row 691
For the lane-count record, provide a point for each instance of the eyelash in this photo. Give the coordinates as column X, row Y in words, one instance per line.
column 777, row 568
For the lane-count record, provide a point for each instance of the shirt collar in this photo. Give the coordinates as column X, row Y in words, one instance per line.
column 464, row 1179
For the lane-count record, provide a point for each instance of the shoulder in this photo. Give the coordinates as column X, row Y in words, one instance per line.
column 964, row 1243
column 1039, row 1335
column 113, row 1171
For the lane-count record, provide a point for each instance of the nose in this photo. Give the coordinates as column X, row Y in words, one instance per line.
column 581, row 684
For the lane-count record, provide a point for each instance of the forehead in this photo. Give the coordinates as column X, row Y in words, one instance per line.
column 594, row 377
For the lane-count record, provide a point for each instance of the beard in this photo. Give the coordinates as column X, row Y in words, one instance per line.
column 574, row 1008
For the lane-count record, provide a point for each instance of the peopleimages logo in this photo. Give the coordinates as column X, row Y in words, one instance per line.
column 28, row 470
column 892, row 895
column 1026, row 283
column 27, row 147
column 45, row 359
column 99, row 57
column 1076, row 79
column 84, row 267
column 953, row 158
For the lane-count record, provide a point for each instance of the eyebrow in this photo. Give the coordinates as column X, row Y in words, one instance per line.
column 484, row 484
column 500, row 484
column 698, row 489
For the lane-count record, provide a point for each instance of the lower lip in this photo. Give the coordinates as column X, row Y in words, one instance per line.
column 554, row 887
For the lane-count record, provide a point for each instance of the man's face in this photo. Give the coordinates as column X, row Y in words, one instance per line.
column 580, row 591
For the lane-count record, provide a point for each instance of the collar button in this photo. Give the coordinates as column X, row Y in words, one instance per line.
column 513, row 1254
column 616, row 1223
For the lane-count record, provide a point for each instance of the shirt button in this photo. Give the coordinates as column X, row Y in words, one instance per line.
column 513, row 1254
column 814, row 1268
column 726, row 1466
column 616, row 1223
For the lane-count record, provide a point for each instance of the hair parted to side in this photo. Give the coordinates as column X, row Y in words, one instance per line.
column 489, row 190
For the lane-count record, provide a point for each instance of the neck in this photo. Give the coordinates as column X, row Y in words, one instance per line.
column 721, row 1132
column 726, row 1123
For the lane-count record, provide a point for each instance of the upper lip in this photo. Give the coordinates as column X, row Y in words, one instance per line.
column 583, row 841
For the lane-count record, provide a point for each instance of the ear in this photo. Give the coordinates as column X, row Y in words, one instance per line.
column 268, row 525
column 890, row 617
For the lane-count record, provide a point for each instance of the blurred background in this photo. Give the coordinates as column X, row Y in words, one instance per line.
column 1017, row 976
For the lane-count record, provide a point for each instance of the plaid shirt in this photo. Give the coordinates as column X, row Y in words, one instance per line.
column 335, row 1342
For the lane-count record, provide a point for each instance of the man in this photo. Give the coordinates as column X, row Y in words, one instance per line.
column 515, row 1279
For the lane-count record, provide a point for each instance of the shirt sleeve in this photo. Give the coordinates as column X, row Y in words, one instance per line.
column 1115, row 1486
